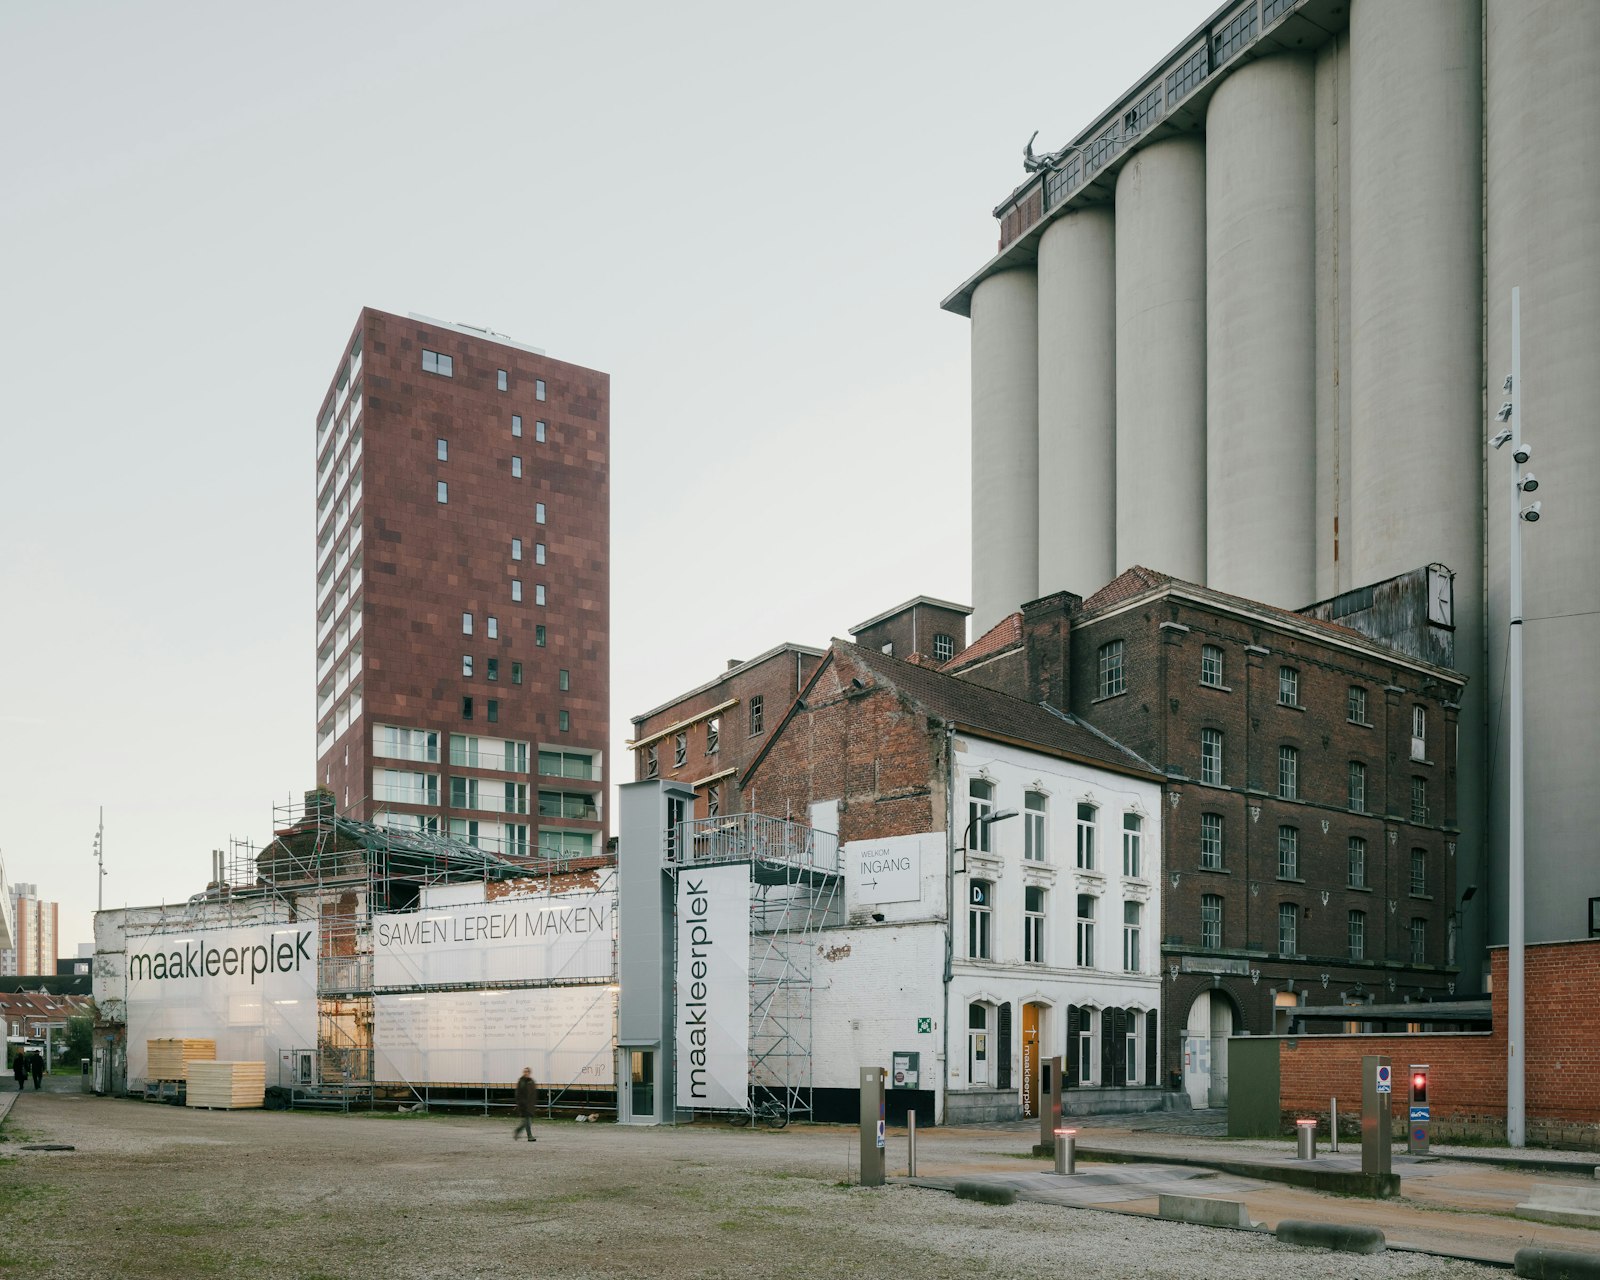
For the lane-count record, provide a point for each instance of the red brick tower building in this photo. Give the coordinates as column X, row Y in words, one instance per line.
column 463, row 587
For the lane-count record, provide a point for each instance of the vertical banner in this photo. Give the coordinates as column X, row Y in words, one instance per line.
column 713, row 1008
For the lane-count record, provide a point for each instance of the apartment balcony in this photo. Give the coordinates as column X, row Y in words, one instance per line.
column 772, row 845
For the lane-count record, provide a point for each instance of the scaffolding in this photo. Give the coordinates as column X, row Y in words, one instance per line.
column 341, row 872
column 795, row 892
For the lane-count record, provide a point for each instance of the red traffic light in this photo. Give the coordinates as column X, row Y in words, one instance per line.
column 1419, row 1081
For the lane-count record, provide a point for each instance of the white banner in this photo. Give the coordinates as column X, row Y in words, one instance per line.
column 559, row 936
column 252, row 989
column 487, row 1037
column 713, row 1008
column 887, row 870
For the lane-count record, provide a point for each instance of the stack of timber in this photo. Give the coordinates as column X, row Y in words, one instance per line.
column 227, row 1086
column 169, row 1059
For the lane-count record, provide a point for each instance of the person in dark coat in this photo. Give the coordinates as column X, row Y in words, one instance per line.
column 527, row 1104
column 37, row 1062
column 19, row 1068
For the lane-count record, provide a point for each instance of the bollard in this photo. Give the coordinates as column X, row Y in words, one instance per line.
column 1066, row 1150
column 1307, row 1135
column 911, row 1142
column 1333, row 1124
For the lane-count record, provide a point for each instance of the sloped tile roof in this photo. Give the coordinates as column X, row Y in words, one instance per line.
column 1005, row 634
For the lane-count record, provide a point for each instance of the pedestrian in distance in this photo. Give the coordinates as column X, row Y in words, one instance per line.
column 19, row 1068
column 527, row 1104
column 38, row 1069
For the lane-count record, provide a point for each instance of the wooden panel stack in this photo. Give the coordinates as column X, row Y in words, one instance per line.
column 228, row 1086
column 168, row 1059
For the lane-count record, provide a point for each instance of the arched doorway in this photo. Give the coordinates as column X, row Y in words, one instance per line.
column 1212, row 1019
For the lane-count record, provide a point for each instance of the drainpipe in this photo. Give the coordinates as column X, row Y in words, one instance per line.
column 949, row 908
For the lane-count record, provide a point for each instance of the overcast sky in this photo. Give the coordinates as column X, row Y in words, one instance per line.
column 746, row 214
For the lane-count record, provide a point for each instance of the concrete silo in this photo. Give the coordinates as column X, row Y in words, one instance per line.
column 1416, row 417
column 1332, row 133
column 1161, row 358
column 1543, row 168
column 1260, row 333
column 1077, row 402
column 1005, row 445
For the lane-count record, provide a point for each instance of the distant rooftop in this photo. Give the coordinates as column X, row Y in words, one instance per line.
column 474, row 331
column 964, row 609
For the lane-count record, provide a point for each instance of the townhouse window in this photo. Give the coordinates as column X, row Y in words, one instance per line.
column 713, row 800
column 1211, row 757
column 516, row 673
column 713, row 734
column 1211, row 841
column 1211, row 665
column 1288, row 687
column 516, row 426
column 1356, row 933
column 1084, row 1046
column 516, row 590
column 538, row 553
column 564, row 680
column 1086, row 908
column 1288, row 928
column 538, row 388
column 1419, row 940
column 491, row 707
column 1356, row 787
column 443, row 446
column 979, row 896
column 680, row 750
column 1288, row 853
column 492, row 626
column 516, row 548
column 944, row 647
column 1419, row 733
column 1419, row 799
column 978, row 1045
column 538, row 432
column 652, row 762
column 1132, row 928
column 1130, row 1043
column 442, row 493
column 538, row 513
column 1033, row 924
column 1288, row 773
column 1356, row 852
column 516, row 467
column 1132, row 845
column 538, row 636
column 1035, row 812
column 466, row 624
column 980, row 804
column 1112, row 681
column 757, row 713
column 500, row 379
column 1086, row 825
column 1356, row 705
column 466, row 665
column 1419, row 871
column 439, row 363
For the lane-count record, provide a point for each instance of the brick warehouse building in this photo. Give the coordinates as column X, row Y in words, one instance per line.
column 463, row 587
column 1311, row 817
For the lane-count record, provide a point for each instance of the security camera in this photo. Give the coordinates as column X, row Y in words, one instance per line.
column 1504, row 412
column 1503, row 437
column 1522, row 453
column 1529, row 483
column 1531, row 514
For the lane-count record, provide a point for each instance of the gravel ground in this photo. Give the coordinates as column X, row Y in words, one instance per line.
column 155, row 1191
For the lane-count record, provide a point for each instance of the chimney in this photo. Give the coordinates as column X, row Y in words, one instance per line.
column 1047, row 647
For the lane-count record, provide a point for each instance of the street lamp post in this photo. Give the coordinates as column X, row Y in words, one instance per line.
column 100, row 860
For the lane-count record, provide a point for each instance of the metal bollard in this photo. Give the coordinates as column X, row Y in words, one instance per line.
column 1307, row 1135
column 1066, row 1150
column 1333, row 1124
column 911, row 1143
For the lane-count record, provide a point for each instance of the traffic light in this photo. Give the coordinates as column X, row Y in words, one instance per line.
column 1419, row 1088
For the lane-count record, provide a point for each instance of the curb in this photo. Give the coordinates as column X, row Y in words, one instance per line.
column 1338, row 1236
column 1377, row 1187
column 1557, row 1264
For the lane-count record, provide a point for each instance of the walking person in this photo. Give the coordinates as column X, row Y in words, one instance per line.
column 38, row 1069
column 19, row 1068
column 527, row 1104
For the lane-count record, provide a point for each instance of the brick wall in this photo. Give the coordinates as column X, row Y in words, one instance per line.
column 1467, row 1072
